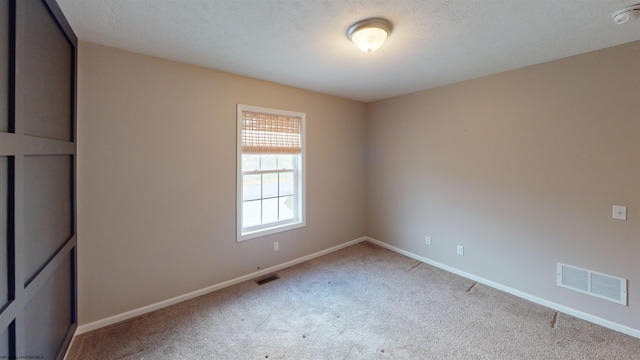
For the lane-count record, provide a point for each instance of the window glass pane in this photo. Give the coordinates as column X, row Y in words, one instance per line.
column 269, row 210
column 250, row 187
column 286, row 208
column 269, row 185
column 251, row 213
column 285, row 161
column 250, row 162
column 269, row 162
column 286, row 183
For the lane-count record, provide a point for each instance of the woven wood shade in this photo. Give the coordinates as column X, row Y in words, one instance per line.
column 270, row 134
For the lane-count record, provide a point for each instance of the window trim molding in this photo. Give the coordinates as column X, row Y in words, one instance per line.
column 301, row 196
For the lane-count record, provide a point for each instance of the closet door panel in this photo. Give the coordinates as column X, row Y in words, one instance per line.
column 47, row 84
column 47, row 208
column 38, row 312
column 48, row 313
column 4, row 344
column 4, row 227
column 4, row 65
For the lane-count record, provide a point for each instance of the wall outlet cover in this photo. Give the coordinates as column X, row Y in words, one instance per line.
column 619, row 212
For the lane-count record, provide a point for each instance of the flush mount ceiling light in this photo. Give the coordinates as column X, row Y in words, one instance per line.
column 369, row 34
column 625, row 14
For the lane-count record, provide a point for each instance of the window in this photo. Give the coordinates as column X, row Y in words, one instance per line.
column 270, row 171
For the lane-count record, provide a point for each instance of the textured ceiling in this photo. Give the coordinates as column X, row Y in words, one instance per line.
column 303, row 43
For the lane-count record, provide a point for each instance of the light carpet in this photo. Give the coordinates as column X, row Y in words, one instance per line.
column 362, row 302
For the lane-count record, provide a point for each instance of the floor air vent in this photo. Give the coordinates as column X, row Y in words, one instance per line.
column 267, row 279
column 593, row 283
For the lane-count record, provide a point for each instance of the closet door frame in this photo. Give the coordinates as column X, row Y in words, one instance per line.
column 22, row 286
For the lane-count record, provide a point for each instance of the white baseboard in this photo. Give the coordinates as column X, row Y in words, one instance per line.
column 561, row 308
column 149, row 308
column 161, row 304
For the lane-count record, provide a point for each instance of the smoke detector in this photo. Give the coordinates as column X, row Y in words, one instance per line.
column 625, row 14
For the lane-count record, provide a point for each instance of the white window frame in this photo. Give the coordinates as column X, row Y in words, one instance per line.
column 299, row 186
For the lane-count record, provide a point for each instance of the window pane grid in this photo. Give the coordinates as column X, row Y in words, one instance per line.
column 266, row 198
column 268, row 192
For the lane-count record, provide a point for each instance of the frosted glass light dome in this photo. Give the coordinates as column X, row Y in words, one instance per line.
column 369, row 34
column 369, row 39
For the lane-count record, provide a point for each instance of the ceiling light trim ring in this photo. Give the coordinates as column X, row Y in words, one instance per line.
column 370, row 23
column 625, row 14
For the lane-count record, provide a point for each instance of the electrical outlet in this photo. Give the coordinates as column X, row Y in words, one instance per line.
column 276, row 246
column 619, row 212
column 461, row 250
column 427, row 240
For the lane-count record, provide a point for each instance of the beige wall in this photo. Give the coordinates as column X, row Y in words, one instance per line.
column 522, row 169
column 156, row 178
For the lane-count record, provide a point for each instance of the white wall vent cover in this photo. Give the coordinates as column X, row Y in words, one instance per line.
column 593, row 283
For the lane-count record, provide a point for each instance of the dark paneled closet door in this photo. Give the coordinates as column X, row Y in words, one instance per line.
column 37, row 180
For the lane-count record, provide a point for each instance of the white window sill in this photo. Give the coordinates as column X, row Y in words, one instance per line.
column 277, row 228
